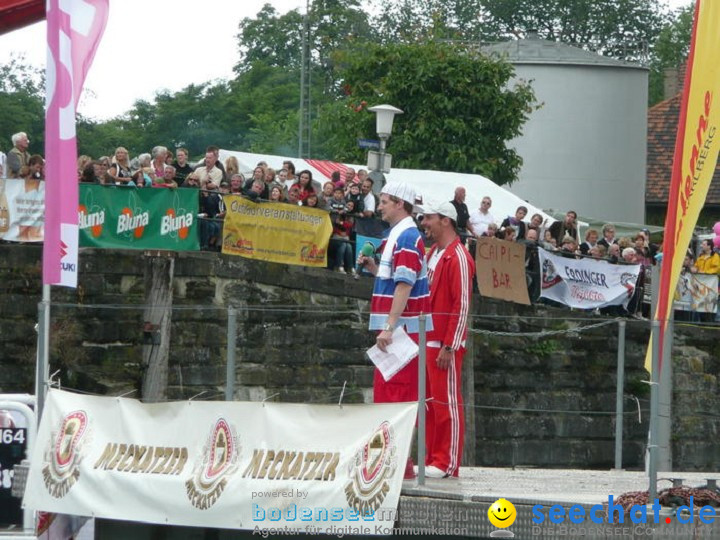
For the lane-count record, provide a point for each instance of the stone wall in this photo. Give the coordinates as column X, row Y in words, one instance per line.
column 302, row 336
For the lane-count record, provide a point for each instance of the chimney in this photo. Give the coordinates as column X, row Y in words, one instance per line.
column 673, row 80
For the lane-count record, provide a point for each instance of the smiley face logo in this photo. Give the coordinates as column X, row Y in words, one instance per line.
column 502, row 513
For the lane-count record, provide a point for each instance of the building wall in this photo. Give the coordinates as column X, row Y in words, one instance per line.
column 585, row 148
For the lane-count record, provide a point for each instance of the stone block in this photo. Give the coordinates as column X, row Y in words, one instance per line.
column 252, row 374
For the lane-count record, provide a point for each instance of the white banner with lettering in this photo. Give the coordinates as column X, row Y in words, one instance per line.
column 586, row 283
column 22, row 210
column 238, row 465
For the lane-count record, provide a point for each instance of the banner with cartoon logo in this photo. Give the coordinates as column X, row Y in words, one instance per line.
column 237, row 465
column 22, row 210
column 586, row 283
column 276, row 232
column 696, row 292
column 138, row 218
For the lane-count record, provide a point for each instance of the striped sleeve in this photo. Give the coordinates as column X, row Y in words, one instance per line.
column 408, row 257
column 460, row 294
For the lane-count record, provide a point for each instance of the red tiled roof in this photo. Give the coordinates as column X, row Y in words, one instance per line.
column 662, row 130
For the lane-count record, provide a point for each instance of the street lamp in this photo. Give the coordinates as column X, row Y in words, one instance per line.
column 384, row 117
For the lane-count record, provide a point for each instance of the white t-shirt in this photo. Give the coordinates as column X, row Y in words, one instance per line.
column 369, row 202
column 479, row 221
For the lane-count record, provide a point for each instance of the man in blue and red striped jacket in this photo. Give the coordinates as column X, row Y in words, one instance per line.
column 401, row 290
column 450, row 270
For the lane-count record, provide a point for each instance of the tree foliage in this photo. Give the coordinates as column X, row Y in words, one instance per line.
column 670, row 50
column 622, row 29
column 459, row 113
column 21, row 103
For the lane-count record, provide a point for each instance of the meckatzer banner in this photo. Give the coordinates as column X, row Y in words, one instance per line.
column 586, row 283
column 260, row 466
column 138, row 218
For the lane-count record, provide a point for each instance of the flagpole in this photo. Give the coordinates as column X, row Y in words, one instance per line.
column 42, row 369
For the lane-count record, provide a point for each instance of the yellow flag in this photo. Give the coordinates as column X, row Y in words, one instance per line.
column 696, row 153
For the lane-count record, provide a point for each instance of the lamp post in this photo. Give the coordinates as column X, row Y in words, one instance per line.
column 384, row 117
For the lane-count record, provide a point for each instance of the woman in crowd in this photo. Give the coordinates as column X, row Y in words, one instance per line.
column 236, row 183
column 270, row 175
column 276, row 194
column 591, row 238
column 311, row 201
column 305, row 184
column 231, row 166
column 120, row 168
column 82, row 162
column 158, row 160
column 509, row 233
column 642, row 248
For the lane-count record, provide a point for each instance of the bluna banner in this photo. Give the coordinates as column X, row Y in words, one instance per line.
column 138, row 218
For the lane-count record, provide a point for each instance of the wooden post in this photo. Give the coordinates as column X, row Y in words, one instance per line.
column 159, row 270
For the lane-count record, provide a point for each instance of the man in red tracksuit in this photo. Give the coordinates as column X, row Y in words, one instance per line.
column 450, row 271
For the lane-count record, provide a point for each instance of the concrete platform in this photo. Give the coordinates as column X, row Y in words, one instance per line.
column 459, row 507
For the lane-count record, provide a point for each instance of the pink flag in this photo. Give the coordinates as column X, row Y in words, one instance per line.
column 74, row 29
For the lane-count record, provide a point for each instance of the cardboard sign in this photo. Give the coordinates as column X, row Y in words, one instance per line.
column 501, row 270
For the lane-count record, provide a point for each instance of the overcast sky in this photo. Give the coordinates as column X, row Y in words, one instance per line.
column 151, row 45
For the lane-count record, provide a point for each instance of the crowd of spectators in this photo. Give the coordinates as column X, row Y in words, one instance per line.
column 347, row 196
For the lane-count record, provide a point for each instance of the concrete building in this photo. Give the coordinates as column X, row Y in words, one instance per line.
column 585, row 147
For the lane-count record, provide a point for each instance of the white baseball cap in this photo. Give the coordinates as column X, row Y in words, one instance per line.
column 443, row 208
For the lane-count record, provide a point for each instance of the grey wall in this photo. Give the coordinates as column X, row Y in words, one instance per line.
column 585, row 148
column 302, row 334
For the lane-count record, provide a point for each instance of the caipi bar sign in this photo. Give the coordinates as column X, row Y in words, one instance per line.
column 205, row 464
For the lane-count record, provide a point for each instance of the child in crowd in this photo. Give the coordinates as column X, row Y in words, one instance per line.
column 337, row 203
column 355, row 196
column 311, row 201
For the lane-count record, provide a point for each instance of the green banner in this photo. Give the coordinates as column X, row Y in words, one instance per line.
column 138, row 218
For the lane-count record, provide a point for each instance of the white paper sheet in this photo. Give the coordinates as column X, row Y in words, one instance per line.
column 400, row 351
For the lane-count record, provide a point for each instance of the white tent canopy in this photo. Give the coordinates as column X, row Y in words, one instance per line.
column 432, row 185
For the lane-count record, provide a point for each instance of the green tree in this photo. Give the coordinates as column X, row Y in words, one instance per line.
column 459, row 111
column 670, row 50
column 22, row 100
column 623, row 29
column 419, row 20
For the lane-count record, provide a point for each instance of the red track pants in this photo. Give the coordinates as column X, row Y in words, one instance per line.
column 445, row 426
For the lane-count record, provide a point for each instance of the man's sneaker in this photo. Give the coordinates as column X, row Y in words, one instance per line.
column 354, row 274
column 341, row 270
column 431, row 471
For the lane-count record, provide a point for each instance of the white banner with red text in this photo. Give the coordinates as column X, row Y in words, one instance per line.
column 586, row 283
column 237, row 465
column 22, row 210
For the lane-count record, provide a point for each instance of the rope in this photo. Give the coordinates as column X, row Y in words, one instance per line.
column 544, row 333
